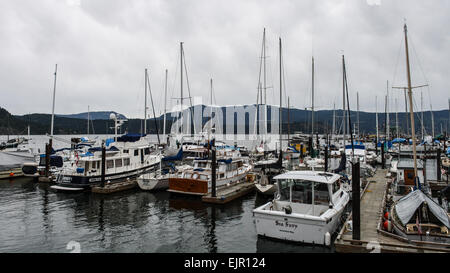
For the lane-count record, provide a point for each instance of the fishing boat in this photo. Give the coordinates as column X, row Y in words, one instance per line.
column 197, row 179
column 307, row 209
column 129, row 157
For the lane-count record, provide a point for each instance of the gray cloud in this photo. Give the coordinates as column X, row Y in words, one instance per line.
column 102, row 48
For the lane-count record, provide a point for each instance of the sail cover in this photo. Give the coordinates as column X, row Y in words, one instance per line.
column 407, row 206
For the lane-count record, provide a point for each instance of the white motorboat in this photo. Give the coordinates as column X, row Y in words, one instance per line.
column 307, row 209
column 130, row 157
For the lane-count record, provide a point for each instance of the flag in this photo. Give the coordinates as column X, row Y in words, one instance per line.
column 418, row 225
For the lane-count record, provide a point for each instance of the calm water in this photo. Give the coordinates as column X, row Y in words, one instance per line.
column 34, row 218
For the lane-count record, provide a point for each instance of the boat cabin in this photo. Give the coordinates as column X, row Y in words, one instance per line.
column 308, row 192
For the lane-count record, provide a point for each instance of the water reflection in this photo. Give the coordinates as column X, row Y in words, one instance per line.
column 35, row 218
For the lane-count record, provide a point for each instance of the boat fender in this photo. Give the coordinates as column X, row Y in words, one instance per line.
column 327, row 239
column 386, row 215
column 287, row 209
column 11, row 174
column 387, row 225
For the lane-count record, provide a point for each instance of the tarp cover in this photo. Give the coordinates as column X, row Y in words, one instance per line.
column 130, row 137
column 407, row 206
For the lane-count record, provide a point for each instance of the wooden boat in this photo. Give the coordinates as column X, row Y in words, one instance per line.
column 197, row 180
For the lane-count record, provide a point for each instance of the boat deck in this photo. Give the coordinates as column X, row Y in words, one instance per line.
column 227, row 194
column 373, row 237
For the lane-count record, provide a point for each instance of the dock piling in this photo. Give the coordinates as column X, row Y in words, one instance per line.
column 213, row 168
column 356, row 199
column 103, row 164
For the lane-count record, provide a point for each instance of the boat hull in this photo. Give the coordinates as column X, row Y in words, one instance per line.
column 295, row 227
column 149, row 184
column 85, row 182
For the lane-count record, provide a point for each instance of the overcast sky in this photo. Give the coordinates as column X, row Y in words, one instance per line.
column 102, row 47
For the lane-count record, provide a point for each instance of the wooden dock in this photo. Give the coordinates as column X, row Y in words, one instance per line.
column 373, row 237
column 9, row 174
column 230, row 193
column 115, row 187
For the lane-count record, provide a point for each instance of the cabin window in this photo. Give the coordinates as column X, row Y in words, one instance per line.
column 195, row 176
column 321, row 194
column 125, row 151
column 136, row 152
column 87, row 166
column 336, row 186
column 119, row 162
column 126, row 162
column 109, row 164
column 302, row 192
column 147, row 151
column 203, row 177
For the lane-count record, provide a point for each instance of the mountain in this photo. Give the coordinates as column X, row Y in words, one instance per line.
column 93, row 115
column 299, row 121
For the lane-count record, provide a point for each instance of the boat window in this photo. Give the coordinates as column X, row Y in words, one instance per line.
column 203, row 177
column 147, row 151
column 195, row 176
column 321, row 194
column 119, row 162
column 125, row 151
column 109, row 164
column 126, row 162
column 87, row 166
column 336, row 186
column 302, row 192
column 136, row 152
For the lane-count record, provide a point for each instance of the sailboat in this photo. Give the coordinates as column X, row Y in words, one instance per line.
column 265, row 185
column 416, row 216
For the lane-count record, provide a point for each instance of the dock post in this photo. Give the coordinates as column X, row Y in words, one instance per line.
column 438, row 164
column 356, row 234
column 301, row 151
column 383, row 160
column 213, row 168
column 326, row 158
column 103, row 164
column 47, row 159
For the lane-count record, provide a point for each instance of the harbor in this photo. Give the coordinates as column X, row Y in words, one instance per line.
column 271, row 141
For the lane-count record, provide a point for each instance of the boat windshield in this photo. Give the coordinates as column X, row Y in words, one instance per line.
column 302, row 192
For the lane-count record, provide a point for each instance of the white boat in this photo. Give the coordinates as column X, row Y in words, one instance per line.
column 265, row 187
column 127, row 158
column 153, row 181
column 158, row 180
column 307, row 209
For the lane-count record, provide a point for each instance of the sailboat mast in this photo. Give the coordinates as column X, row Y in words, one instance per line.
column 210, row 113
column 88, row 121
column 334, row 121
column 281, row 91
column 145, row 104
column 265, row 86
column 387, row 111
column 357, row 113
column 421, row 113
column 376, row 118
column 289, row 123
column 396, row 118
column 53, row 105
column 411, row 112
column 165, row 105
column 343, row 101
column 181, row 84
column 312, row 100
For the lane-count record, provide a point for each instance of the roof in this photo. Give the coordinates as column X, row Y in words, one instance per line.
column 407, row 206
column 314, row 176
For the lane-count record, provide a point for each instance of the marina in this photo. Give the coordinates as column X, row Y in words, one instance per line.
column 202, row 140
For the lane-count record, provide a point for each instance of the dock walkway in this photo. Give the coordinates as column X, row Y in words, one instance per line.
column 373, row 238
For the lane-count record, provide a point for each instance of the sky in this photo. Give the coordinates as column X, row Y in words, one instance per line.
column 103, row 46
